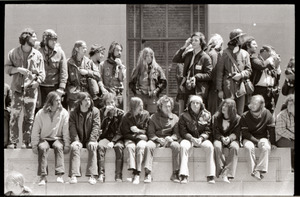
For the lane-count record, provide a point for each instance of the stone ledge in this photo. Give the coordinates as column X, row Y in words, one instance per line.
column 25, row 161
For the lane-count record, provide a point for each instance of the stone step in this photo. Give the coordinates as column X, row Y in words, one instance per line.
column 25, row 161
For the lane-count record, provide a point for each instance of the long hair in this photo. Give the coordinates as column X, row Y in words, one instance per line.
column 196, row 97
column 77, row 44
column 134, row 103
column 50, row 99
column 80, row 97
column 108, row 96
column 261, row 100
column 17, row 178
column 112, row 49
column 142, row 65
column 232, row 112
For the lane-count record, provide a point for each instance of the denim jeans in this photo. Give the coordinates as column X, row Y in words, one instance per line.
column 43, row 149
column 149, row 150
column 135, row 154
column 75, row 168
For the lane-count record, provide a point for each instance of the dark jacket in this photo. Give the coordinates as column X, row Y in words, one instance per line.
column 91, row 126
column 218, row 130
column 254, row 129
column 192, row 125
column 163, row 126
column 140, row 121
column 258, row 66
column 201, row 69
column 158, row 77
column 110, row 126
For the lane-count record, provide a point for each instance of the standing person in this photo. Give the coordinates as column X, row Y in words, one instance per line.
column 289, row 72
column 15, row 185
column 148, row 79
column 26, row 64
column 163, row 132
column 195, row 129
column 197, row 67
column 50, row 130
column 7, row 102
column 113, row 72
column 80, row 69
column 55, row 63
column 266, row 72
column 214, row 50
column 226, row 134
column 133, row 128
column 110, row 136
column 285, row 126
column 258, row 130
column 84, row 131
column 233, row 66
column 96, row 55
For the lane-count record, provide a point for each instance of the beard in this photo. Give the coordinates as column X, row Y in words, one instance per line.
column 30, row 42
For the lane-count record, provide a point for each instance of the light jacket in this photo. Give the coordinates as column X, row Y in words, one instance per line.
column 35, row 65
column 55, row 67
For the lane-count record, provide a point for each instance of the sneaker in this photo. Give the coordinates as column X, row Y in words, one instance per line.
column 211, row 180
column 60, row 179
column 148, row 178
column 184, row 180
column 256, row 175
column 92, row 180
column 118, row 178
column 101, row 178
column 23, row 146
column 73, row 180
column 11, row 146
column 225, row 179
column 175, row 177
column 29, row 145
column 43, row 181
column 136, row 179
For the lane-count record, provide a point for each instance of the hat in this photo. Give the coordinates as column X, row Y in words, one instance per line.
column 27, row 32
column 96, row 48
column 49, row 33
column 235, row 34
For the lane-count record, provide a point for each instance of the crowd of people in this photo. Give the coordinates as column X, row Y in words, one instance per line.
column 226, row 100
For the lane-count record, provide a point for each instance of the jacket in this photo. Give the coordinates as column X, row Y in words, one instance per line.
column 91, row 126
column 156, row 76
column 76, row 81
column 141, row 121
column 35, row 65
column 201, row 69
column 192, row 125
column 225, row 70
column 161, row 125
column 110, row 125
column 45, row 128
column 55, row 67
column 218, row 131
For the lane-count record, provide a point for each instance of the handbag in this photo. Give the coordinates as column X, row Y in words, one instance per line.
column 248, row 85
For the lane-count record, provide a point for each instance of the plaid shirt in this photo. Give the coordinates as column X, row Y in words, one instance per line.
column 285, row 125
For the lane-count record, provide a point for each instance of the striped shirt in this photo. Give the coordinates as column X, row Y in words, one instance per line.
column 285, row 125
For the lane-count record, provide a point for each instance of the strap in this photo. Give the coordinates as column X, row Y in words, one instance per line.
column 232, row 59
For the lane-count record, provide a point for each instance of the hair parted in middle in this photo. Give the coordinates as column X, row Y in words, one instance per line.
column 111, row 49
column 50, row 99
column 80, row 97
column 232, row 112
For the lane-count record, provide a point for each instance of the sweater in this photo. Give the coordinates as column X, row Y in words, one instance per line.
column 45, row 128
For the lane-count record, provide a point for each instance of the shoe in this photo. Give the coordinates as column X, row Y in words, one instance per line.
column 225, row 179
column 60, row 179
column 211, row 180
column 43, row 181
column 184, row 179
column 73, row 180
column 29, row 145
column 119, row 178
column 256, row 174
column 148, row 178
column 11, row 146
column 101, row 178
column 175, row 177
column 136, row 179
column 23, row 146
column 92, row 180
